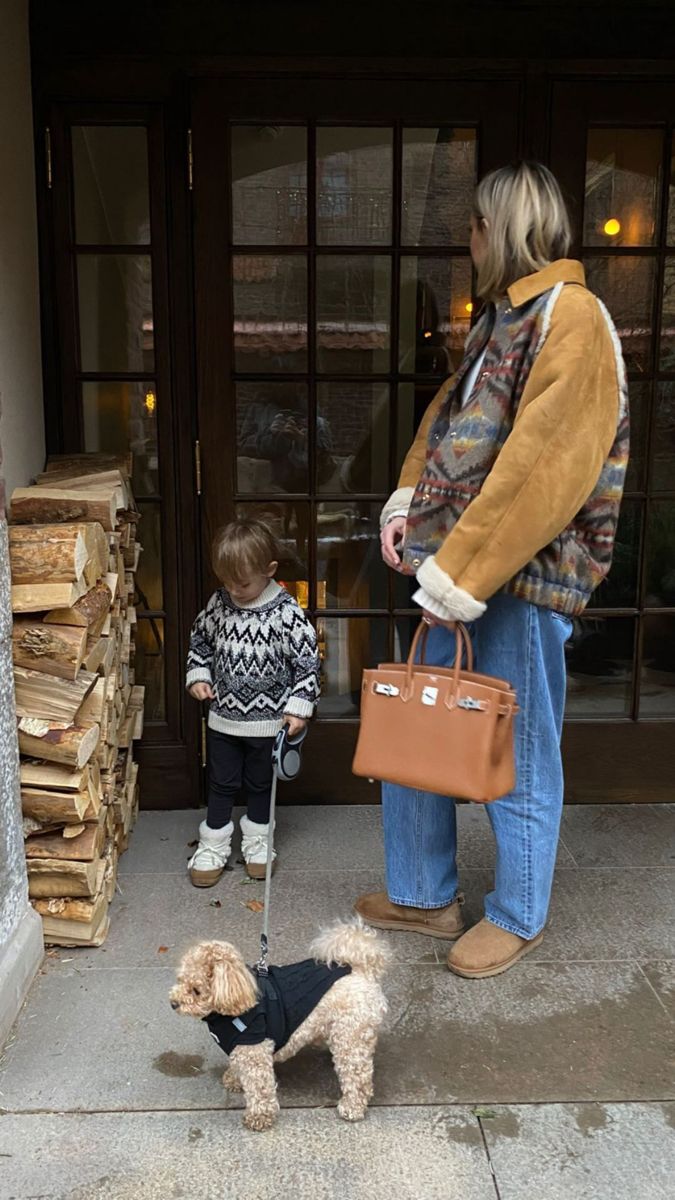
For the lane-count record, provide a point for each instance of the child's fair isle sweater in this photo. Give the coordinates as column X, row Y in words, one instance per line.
column 261, row 660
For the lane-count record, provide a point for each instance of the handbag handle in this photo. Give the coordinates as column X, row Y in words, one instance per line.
column 462, row 646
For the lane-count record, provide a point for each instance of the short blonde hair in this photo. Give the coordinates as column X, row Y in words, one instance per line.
column 528, row 226
column 243, row 548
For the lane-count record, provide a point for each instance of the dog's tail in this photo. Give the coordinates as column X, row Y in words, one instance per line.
column 353, row 944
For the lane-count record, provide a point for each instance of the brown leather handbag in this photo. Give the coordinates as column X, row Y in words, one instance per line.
column 438, row 729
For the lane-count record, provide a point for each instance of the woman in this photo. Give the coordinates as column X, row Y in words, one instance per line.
column 506, row 512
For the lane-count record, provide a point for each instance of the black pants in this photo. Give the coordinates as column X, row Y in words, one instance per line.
column 237, row 763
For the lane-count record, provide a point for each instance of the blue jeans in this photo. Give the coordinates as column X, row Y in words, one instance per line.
column 523, row 643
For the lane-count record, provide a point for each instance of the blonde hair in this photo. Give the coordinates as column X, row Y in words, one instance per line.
column 528, row 226
column 243, row 548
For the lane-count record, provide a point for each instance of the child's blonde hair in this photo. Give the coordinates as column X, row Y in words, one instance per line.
column 243, row 548
column 528, row 226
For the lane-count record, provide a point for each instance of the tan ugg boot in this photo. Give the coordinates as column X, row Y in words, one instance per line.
column 488, row 950
column 210, row 858
column 254, row 843
column 377, row 910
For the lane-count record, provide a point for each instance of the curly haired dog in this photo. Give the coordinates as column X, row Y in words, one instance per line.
column 333, row 999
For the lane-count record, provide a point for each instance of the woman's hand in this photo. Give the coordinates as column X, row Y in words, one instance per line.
column 295, row 725
column 390, row 537
column 202, row 691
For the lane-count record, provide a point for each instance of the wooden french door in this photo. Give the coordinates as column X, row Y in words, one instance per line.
column 333, row 295
column 612, row 149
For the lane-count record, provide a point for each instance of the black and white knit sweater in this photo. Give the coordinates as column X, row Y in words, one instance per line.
column 261, row 661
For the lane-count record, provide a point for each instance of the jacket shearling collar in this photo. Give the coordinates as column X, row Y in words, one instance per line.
column 564, row 270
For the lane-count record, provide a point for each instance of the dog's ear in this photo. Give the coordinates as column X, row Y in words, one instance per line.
column 233, row 988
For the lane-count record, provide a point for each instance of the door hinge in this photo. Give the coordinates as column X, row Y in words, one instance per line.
column 198, row 467
column 203, row 741
column 48, row 155
column 190, row 160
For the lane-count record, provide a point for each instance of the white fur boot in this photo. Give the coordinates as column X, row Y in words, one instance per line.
column 254, row 843
column 210, row 858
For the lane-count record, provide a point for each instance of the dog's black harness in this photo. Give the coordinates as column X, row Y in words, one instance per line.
column 287, row 996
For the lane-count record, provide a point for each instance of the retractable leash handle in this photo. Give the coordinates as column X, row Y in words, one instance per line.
column 286, row 763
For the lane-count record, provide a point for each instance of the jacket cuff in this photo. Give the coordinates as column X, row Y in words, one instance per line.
column 432, row 605
column 296, row 707
column 397, row 505
column 198, row 675
column 460, row 605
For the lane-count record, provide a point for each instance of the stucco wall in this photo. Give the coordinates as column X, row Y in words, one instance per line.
column 21, row 414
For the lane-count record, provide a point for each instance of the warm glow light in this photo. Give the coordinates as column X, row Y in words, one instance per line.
column 150, row 402
column 469, row 307
column 427, row 333
column 612, row 227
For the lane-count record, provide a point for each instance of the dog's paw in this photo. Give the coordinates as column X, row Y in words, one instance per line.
column 350, row 1112
column 231, row 1082
column 259, row 1121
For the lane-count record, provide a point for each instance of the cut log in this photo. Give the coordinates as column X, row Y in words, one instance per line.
column 92, row 711
column 80, row 482
column 59, row 877
column 50, row 776
column 50, row 807
column 42, row 505
column 74, row 746
column 37, row 597
column 55, row 649
column 47, row 553
column 49, row 698
column 72, row 934
column 92, row 460
column 95, row 650
column 86, row 847
column 89, row 611
column 83, row 910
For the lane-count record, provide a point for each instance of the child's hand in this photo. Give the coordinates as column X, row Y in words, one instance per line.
column 295, row 725
column 202, row 691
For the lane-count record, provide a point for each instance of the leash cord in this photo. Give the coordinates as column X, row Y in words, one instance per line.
column 261, row 967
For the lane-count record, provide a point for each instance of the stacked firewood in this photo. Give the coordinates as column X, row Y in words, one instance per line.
column 73, row 555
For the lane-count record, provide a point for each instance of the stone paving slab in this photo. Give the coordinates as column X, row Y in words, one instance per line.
column 100, row 1040
column 595, row 915
column 348, row 837
column 165, row 910
column 661, row 976
column 620, row 835
column 611, row 914
column 399, row 1152
column 583, row 1151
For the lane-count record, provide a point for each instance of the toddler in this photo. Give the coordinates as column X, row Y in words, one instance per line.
column 253, row 655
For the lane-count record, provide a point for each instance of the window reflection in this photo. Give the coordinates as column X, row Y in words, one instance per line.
column 356, row 416
column 348, row 553
column 270, row 312
column 439, row 175
column 110, row 176
column 269, row 185
column 435, row 314
column 626, row 285
column 272, row 438
column 347, row 645
column 121, row 417
column 623, row 172
column 353, row 313
column 353, row 186
column 657, row 684
column 600, row 667
column 115, row 309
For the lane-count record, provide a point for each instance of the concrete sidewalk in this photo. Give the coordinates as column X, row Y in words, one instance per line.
column 555, row 1080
